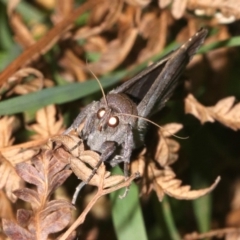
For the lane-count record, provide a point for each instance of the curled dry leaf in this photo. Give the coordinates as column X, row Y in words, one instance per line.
column 166, row 151
column 26, row 87
column 118, row 47
column 153, row 27
column 172, row 187
column 224, row 111
column 47, row 125
column 109, row 11
column 164, row 182
column 46, row 42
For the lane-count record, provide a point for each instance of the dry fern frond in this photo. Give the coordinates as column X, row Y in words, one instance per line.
column 83, row 161
column 16, row 83
column 47, row 173
column 230, row 233
column 6, row 129
column 163, row 180
column 9, row 178
column 167, row 148
column 118, row 47
column 47, row 125
column 224, row 111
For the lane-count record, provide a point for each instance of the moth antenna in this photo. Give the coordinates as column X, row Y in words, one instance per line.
column 155, row 124
column 99, row 83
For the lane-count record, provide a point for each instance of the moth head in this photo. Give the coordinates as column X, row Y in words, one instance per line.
column 109, row 115
column 112, row 121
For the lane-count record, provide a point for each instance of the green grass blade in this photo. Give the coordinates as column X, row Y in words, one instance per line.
column 127, row 214
column 169, row 218
column 56, row 95
column 231, row 42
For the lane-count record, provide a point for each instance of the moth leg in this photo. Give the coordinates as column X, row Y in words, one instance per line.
column 116, row 160
column 127, row 148
column 108, row 149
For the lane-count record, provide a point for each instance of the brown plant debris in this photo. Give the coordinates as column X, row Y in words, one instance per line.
column 83, row 161
column 163, row 181
column 224, row 111
column 224, row 11
column 46, row 216
column 45, row 43
column 47, row 125
column 230, row 233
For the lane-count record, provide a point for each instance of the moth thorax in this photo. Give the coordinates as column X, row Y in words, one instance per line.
column 121, row 103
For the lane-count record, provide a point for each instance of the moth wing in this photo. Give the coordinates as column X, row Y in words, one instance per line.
column 137, row 87
column 166, row 80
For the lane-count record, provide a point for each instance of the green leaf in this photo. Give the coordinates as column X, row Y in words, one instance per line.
column 6, row 57
column 127, row 214
column 56, row 95
column 202, row 206
column 5, row 33
column 28, row 11
column 231, row 42
column 169, row 218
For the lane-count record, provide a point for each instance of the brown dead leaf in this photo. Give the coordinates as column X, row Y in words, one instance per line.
column 178, row 8
column 45, row 43
column 138, row 3
column 164, row 182
column 224, row 111
column 17, row 85
column 166, row 151
column 82, row 162
column 120, row 47
column 74, row 66
column 169, row 129
column 153, row 27
column 101, row 18
column 82, row 171
column 6, row 209
column 9, row 180
column 72, row 143
column 22, row 34
column 227, row 8
column 195, row 108
column 47, row 125
column 6, row 129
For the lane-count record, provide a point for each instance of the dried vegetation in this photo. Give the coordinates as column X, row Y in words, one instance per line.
column 47, row 66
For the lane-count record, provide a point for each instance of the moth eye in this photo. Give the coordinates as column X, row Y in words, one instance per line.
column 101, row 113
column 113, row 121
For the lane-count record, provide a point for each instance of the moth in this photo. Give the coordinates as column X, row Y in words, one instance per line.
column 114, row 126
